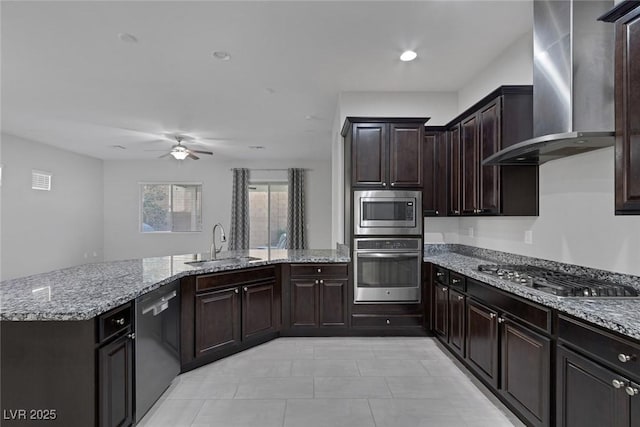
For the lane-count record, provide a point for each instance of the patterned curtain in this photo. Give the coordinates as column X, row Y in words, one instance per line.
column 296, row 238
column 239, row 235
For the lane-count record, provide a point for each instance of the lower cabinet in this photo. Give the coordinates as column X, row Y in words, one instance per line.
column 482, row 341
column 224, row 313
column 115, row 394
column 318, row 296
column 441, row 311
column 456, row 322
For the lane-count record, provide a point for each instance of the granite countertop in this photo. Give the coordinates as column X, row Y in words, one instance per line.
column 85, row 291
column 620, row 315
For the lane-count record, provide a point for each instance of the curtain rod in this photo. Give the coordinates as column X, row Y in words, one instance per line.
column 270, row 170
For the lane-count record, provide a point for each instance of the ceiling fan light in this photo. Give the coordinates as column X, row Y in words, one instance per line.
column 179, row 154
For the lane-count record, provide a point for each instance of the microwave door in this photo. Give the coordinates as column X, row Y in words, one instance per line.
column 387, row 213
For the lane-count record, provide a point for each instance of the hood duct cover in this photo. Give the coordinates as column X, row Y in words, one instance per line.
column 573, row 105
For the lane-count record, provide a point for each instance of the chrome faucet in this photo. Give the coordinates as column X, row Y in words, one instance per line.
column 223, row 239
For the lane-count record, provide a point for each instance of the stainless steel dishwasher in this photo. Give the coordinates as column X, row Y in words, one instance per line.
column 157, row 345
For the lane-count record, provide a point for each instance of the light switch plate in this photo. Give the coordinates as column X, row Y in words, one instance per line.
column 471, row 232
column 528, row 237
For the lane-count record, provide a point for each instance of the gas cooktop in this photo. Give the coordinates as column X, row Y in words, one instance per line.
column 558, row 283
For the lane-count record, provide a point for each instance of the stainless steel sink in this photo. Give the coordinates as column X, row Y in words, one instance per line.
column 221, row 261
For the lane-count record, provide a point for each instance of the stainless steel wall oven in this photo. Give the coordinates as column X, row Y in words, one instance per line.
column 387, row 270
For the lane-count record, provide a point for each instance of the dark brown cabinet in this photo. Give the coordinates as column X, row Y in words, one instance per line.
column 455, row 172
column 384, row 152
column 456, row 322
column 223, row 313
column 434, row 193
column 482, row 341
column 441, row 311
column 318, row 295
column 627, row 106
column 115, row 394
column 525, row 375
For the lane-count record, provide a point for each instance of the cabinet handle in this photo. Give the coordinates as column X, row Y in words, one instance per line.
column 319, row 270
column 631, row 391
column 237, row 290
column 455, row 281
column 132, row 336
column 317, row 281
column 444, row 289
column 492, row 315
column 460, row 297
column 439, row 274
column 246, row 289
column 624, row 358
column 321, row 282
column 437, row 213
column 501, row 319
column 118, row 321
column 389, row 322
column 384, row 184
column 393, row 184
column 456, row 212
column 617, row 383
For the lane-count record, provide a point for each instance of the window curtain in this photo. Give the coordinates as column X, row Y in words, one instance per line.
column 296, row 237
column 239, row 235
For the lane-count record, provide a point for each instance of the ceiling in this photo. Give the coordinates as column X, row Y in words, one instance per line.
column 68, row 80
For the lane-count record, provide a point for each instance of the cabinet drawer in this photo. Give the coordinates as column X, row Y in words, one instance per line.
column 457, row 281
column 387, row 321
column 529, row 312
column 113, row 322
column 440, row 275
column 319, row 270
column 600, row 344
column 234, row 278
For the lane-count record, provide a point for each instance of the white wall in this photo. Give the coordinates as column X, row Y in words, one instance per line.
column 576, row 222
column 121, row 203
column 43, row 231
column 439, row 106
column 514, row 66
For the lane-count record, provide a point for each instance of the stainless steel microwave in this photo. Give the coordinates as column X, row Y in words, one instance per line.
column 387, row 212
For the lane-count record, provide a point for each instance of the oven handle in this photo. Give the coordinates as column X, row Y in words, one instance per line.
column 382, row 255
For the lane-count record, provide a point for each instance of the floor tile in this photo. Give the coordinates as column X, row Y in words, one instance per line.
column 342, row 352
column 251, row 368
column 350, row 387
column 204, row 388
column 391, row 367
column 325, row 368
column 414, row 413
column 275, row 388
column 237, row 413
column 173, row 413
column 425, row 387
column 328, row 413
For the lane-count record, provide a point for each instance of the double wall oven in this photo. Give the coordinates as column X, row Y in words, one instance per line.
column 387, row 246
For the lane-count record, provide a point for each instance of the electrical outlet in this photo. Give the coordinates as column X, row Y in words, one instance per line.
column 471, row 231
column 528, row 237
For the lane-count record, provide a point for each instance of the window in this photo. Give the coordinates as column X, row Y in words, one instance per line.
column 268, row 215
column 170, row 207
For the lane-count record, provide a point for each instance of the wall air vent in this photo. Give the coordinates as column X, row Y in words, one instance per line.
column 40, row 180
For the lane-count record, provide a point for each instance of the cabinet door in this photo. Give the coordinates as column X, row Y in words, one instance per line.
column 526, row 372
column 586, row 395
column 369, row 155
column 441, row 311
column 434, row 194
column 405, row 155
column 456, row 321
column 217, row 320
column 634, row 404
column 258, row 309
column 333, row 306
column 482, row 341
column 115, row 362
column 454, row 171
column 489, row 185
column 627, row 87
column 304, row 303
column 469, row 143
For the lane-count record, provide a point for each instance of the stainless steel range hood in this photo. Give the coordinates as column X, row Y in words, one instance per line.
column 573, row 110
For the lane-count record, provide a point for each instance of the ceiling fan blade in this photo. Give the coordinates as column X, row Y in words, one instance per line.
column 193, row 156
column 164, row 155
column 202, row 152
column 155, row 150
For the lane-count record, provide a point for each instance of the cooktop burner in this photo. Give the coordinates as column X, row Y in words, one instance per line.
column 558, row 283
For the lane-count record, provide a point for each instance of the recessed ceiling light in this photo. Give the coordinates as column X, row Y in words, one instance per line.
column 521, row 158
column 310, row 117
column 408, row 55
column 127, row 38
column 580, row 141
column 256, row 147
column 222, row 55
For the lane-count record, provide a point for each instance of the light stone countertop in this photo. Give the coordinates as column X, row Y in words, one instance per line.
column 85, row 291
column 620, row 315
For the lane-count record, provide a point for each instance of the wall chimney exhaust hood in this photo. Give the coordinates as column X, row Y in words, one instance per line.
column 573, row 109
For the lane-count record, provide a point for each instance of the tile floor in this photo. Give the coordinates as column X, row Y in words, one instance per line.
column 332, row 382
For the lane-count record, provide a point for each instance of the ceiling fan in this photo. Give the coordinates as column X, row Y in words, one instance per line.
column 181, row 152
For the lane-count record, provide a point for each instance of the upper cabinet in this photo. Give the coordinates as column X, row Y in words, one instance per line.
column 626, row 16
column 501, row 119
column 385, row 153
column 434, row 194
